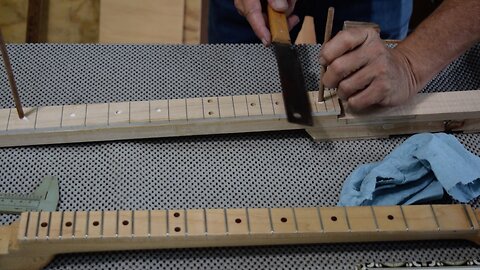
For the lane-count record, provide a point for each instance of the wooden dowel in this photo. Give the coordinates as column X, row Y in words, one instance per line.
column 328, row 35
column 11, row 79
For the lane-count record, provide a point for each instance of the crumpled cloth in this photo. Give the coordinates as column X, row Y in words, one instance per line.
column 417, row 171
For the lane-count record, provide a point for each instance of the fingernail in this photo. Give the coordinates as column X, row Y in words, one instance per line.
column 322, row 61
column 280, row 4
column 265, row 43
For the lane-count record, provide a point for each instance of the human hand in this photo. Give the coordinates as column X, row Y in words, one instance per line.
column 365, row 71
column 252, row 11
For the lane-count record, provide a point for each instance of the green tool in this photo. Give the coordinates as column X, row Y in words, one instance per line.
column 44, row 198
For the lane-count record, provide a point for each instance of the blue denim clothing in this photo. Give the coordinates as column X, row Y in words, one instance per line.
column 393, row 16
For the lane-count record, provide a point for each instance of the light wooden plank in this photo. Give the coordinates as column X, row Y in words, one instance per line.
column 313, row 98
column 159, row 111
column 195, row 222
column 49, row 117
column 278, row 106
column 140, row 112
column 110, row 229
column 44, row 225
column 240, row 106
column 195, row 109
column 308, row 220
column 55, row 225
column 390, row 218
column 334, row 219
column 266, row 104
column 237, row 222
column 119, row 113
column 26, row 123
column 259, row 221
column 125, row 223
column 4, row 115
column 158, row 223
column 211, row 109
column 152, row 21
column 253, row 105
column 283, row 220
column 226, row 107
column 451, row 217
column 216, row 222
column 68, row 225
column 74, row 115
column 420, row 218
column 95, row 225
column 176, row 222
column 32, row 226
column 361, row 219
column 177, row 109
column 97, row 115
column 80, row 225
column 141, row 226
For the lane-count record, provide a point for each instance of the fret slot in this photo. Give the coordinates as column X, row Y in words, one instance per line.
column 266, row 104
column 49, row 117
column 159, row 111
column 237, row 221
column 97, row 115
column 80, row 224
column 283, row 220
column 308, row 220
column 141, row 221
column 259, row 221
column 68, row 222
column 177, row 110
column 195, row 222
column 361, row 219
column 253, row 105
column 390, row 218
column 240, row 106
column 4, row 115
column 139, row 112
column 211, row 108
column 451, row 217
column 125, row 224
column 419, row 218
column 176, row 223
column 195, row 109
column 95, row 224
column 26, row 123
column 278, row 105
column 216, row 222
column 74, row 115
column 158, row 223
column 119, row 113
column 334, row 219
column 110, row 228
column 43, row 225
column 226, row 107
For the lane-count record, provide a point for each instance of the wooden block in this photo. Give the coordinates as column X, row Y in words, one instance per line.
column 308, row 220
column 195, row 109
column 451, row 217
column 240, row 106
column 74, row 115
column 389, row 218
column 226, row 107
column 110, row 228
column 27, row 122
column 32, row 225
column 119, row 113
column 331, row 101
column 419, row 218
column 195, row 222
column 97, row 114
column 4, row 115
column 313, row 97
column 237, row 221
column 80, row 224
column 259, row 220
column 216, row 222
column 95, row 224
column 211, row 109
column 23, row 226
column 125, row 223
column 55, row 225
column 141, row 223
column 44, row 225
column 278, row 106
column 159, row 111
column 177, row 109
column 253, row 105
column 139, row 112
column 266, row 104
column 334, row 219
column 176, row 222
column 158, row 223
column 68, row 222
column 361, row 219
column 49, row 117
column 283, row 220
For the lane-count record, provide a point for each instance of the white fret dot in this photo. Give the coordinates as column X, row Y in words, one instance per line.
column 158, row 110
column 118, row 112
column 73, row 115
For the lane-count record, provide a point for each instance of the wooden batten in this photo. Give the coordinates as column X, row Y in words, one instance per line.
column 38, row 236
column 446, row 111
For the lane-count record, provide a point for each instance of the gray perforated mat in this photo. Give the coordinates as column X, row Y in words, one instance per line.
column 244, row 170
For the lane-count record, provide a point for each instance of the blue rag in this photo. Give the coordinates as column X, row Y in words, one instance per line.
column 419, row 170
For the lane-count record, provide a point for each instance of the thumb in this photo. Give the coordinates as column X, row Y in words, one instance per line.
column 279, row 5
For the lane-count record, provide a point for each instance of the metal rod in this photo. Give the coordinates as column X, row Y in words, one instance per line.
column 11, row 79
column 328, row 35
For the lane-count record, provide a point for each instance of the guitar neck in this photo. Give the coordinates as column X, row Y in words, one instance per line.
column 44, row 234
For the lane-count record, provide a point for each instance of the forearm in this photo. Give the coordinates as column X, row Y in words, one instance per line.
column 446, row 34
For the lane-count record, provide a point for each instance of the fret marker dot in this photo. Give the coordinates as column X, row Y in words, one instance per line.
column 68, row 224
column 209, row 101
column 176, row 214
column 210, row 113
column 283, row 219
column 334, row 218
column 238, row 221
column 44, row 224
column 390, row 217
column 276, row 103
column 158, row 110
column 177, row 229
column 96, row 223
column 73, row 115
column 125, row 222
column 252, row 104
column 118, row 112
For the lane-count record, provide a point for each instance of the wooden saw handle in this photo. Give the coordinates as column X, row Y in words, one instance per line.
column 278, row 26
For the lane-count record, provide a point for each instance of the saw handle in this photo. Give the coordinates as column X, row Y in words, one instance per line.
column 278, row 26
